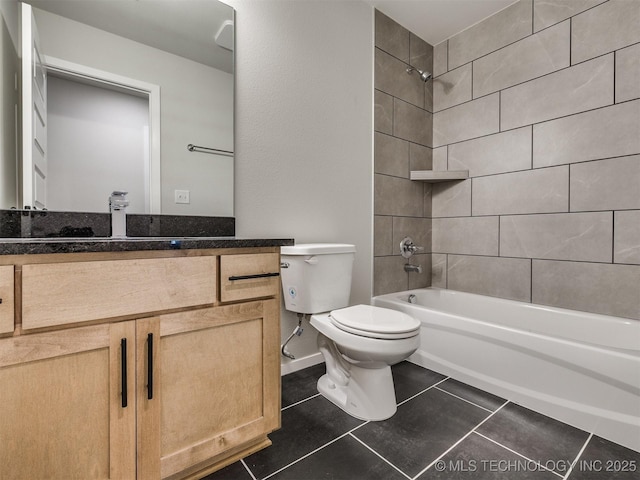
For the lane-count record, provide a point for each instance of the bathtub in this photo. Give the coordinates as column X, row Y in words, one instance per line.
column 577, row 367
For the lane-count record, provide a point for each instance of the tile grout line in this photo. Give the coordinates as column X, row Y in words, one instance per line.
column 540, row 259
column 531, row 280
column 524, row 81
column 537, row 463
column 464, row 400
column 299, row 402
column 584, row 447
column 246, row 467
column 570, row 40
column 423, row 391
column 613, row 237
column 446, row 268
column 535, row 123
column 460, row 440
column 378, row 455
column 314, row 451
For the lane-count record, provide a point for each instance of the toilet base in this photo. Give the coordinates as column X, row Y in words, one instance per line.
column 367, row 395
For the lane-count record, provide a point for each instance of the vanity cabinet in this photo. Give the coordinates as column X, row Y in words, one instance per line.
column 173, row 380
column 217, row 398
column 62, row 414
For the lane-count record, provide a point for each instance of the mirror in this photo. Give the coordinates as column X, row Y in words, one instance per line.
column 162, row 72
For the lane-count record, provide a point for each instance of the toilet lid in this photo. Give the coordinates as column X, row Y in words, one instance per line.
column 373, row 321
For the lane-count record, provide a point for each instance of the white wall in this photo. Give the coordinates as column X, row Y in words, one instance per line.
column 304, row 130
column 196, row 107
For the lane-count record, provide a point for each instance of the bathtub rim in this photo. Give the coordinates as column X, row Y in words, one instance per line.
column 628, row 341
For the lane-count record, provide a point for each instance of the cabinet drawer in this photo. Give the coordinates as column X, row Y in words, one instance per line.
column 64, row 293
column 6, row 299
column 249, row 276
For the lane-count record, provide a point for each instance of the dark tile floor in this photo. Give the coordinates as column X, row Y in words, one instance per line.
column 443, row 429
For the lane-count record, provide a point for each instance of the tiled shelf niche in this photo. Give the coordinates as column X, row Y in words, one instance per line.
column 437, row 176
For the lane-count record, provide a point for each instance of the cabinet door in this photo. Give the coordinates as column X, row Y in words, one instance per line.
column 219, row 382
column 6, row 299
column 148, row 397
column 63, row 415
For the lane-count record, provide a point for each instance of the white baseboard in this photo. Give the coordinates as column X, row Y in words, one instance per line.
column 289, row 366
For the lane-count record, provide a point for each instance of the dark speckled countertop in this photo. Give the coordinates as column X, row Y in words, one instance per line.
column 40, row 232
column 21, row 246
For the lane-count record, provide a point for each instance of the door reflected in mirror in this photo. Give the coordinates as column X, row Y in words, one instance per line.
column 111, row 55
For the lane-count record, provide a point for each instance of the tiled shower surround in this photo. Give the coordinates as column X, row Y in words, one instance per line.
column 541, row 103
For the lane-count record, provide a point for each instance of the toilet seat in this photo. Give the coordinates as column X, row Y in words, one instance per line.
column 375, row 322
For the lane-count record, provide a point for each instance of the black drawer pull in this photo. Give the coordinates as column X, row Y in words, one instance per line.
column 257, row 275
column 150, row 366
column 123, row 352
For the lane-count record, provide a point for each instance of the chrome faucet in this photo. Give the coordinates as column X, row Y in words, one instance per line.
column 117, row 203
column 408, row 267
column 408, row 248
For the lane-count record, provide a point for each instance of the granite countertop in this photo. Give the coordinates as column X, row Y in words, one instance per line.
column 21, row 246
column 44, row 231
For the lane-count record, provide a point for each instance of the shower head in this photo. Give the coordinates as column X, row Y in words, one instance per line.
column 424, row 76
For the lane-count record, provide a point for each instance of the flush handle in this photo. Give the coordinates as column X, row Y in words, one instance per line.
column 312, row 260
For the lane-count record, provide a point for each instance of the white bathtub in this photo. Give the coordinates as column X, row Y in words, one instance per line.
column 577, row 367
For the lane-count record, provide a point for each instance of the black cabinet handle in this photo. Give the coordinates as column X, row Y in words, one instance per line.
column 123, row 350
column 150, row 366
column 257, row 275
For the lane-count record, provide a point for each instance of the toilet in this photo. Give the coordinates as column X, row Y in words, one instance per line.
column 359, row 343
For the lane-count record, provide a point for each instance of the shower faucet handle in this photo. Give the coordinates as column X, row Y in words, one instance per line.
column 408, row 248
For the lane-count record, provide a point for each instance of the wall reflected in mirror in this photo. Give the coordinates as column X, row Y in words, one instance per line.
column 119, row 49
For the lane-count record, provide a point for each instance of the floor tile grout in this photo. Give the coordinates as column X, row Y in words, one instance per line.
column 299, row 402
column 379, row 455
column 314, row 451
column 584, row 447
column 461, row 439
column 246, row 467
column 518, row 453
column 423, row 391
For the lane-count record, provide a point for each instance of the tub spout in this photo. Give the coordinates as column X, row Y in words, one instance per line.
column 412, row 268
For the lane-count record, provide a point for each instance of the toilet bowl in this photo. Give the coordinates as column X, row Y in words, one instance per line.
column 359, row 345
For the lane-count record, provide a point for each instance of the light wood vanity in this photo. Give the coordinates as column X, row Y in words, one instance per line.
column 137, row 365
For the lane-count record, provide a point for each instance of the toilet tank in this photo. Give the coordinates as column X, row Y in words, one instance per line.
column 316, row 277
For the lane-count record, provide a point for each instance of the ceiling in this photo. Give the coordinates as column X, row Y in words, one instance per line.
column 188, row 27
column 436, row 20
column 183, row 27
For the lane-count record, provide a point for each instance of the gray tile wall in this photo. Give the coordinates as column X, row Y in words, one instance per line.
column 402, row 142
column 549, row 130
